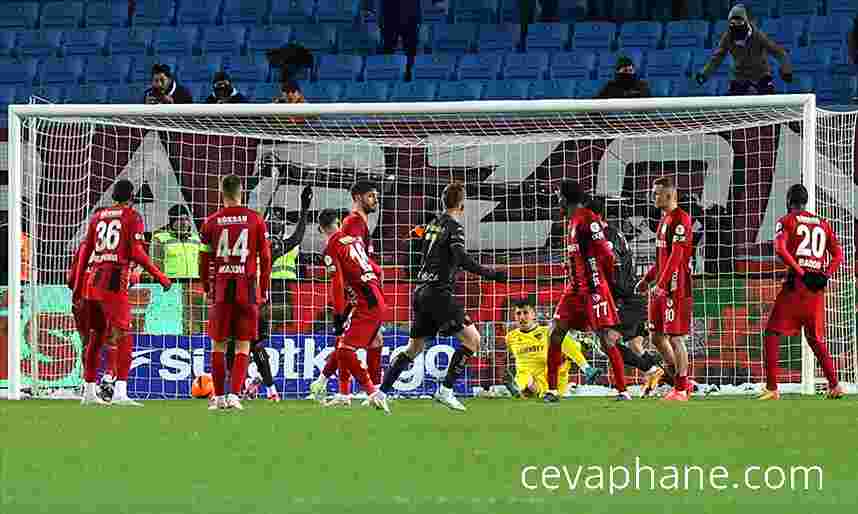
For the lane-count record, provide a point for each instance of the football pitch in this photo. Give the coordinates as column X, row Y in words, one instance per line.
column 502, row 456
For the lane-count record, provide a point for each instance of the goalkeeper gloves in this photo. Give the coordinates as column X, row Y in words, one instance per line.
column 306, row 198
column 340, row 324
column 815, row 281
column 700, row 79
column 787, row 77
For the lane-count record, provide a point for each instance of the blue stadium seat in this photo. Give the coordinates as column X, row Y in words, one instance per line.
column 716, row 87
column 640, row 34
column 126, row 94
column 336, row 11
column 588, row 88
column 141, row 70
column 629, row 9
column 62, row 15
column 199, row 90
column 416, row 91
column 153, row 13
column 361, row 92
column 596, row 35
column 815, row 59
column 552, row 89
column 661, row 87
column 13, row 71
column 463, row 90
column 480, row 67
column 509, row 11
column 531, row 66
column 87, row 94
column 574, row 10
column 573, row 65
column 718, row 9
column 197, row 12
column 198, row 69
column 262, row 93
column 39, row 43
column 798, row 7
column 18, row 15
column 385, row 67
column 85, row 42
column 175, row 40
column 324, row 92
column 133, row 41
column 824, row 86
column 718, row 30
column 476, row 11
column 547, row 37
column 227, row 39
column 507, row 90
column 845, row 88
column 108, row 70
column 458, row 38
column 685, row 87
column 66, row 71
column 7, row 43
column 434, row 14
column 434, row 67
column 687, row 34
column 317, row 38
column 340, row 67
column 52, row 94
column 248, row 69
column 786, row 32
column 668, row 63
column 845, row 8
column 762, row 8
column 498, row 38
column 363, row 40
column 699, row 58
column 245, row 12
column 107, row 13
column 828, row 30
column 285, row 12
column 261, row 39
column 608, row 60
column 800, row 84
column 7, row 97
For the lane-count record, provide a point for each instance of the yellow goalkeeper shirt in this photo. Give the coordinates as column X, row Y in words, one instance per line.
column 530, row 350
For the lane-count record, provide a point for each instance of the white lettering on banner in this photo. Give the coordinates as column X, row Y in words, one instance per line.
column 199, row 362
column 313, row 362
column 175, row 364
column 290, row 354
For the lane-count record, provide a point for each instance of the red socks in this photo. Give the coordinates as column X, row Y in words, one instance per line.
column 555, row 359
column 823, row 357
column 373, row 364
column 113, row 359
column 121, row 357
column 239, row 372
column 617, row 367
column 93, row 351
column 348, row 360
column 218, row 372
column 330, row 364
column 772, row 348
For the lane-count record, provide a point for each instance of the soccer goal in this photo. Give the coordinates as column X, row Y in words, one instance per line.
column 733, row 159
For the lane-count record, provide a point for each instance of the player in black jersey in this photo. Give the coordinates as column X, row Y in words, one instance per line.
column 435, row 309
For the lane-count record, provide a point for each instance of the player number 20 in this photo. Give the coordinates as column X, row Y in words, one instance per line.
column 812, row 242
column 238, row 249
column 108, row 235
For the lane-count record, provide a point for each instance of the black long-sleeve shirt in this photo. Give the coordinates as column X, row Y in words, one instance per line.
column 444, row 254
column 281, row 245
column 625, row 278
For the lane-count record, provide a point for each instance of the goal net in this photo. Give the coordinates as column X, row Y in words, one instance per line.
column 732, row 158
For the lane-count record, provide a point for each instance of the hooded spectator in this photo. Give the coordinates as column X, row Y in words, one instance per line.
column 223, row 91
column 626, row 83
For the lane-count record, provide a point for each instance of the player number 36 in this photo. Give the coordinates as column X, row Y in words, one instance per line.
column 108, row 235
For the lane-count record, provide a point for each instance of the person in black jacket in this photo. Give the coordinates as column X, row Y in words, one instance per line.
column 626, row 83
column 165, row 89
column 223, row 91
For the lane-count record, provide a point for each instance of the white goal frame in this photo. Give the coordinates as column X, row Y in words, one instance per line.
column 18, row 113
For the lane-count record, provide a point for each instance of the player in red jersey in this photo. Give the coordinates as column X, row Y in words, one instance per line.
column 808, row 246
column 114, row 240
column 670, row 303
column 587, row 304
column 238, row 238
column 364, row 202
column 359, row 305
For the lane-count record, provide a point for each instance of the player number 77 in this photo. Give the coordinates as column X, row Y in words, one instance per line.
column 601, row 309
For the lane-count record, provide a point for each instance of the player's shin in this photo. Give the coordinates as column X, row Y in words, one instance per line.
column 219, row 372
column 632, row 359
column 457, row 365
column 820, row 350
column 617, row 366
column 373, row 364
column 348, row 359
column 402, row 362
column 260, row 358
column 680, row 352
column 239, row 367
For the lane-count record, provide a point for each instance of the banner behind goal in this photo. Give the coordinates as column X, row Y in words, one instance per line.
column 733, row 159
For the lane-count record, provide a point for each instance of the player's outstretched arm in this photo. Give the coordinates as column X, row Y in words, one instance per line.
column 140, row 256
column 298, row 234
column 338, row 293
column 470, row 264
column 264, row 247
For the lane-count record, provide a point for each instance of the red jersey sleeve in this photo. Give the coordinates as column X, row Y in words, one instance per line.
column 85, row 253
column 264, row 247
column 335, row 272
column 138, row 254
column 680, row 248
column 205, row 255
column 783, row 229
column 835, row 251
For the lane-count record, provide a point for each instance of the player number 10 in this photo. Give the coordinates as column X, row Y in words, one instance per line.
column 669, row 315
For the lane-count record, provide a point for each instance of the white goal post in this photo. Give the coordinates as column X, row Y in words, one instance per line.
column 733, row 157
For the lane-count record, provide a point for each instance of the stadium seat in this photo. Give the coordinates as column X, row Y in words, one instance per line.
column 18, row 15
column 811, row 60
column 661, row 87
column 108, row 70
column 824, row 86
column 141, row 70
column 14, row 71
column 498, row 38
column 628, row 9
column 7, row 42
column 685, row 87
column 798, row 7
column 39, row 43
column 800, row 84
column 668, row 63
column 608, row 60
column 588, row 88
column 175, row 41
column 198, row 69
column 336, row 11
column 248, row 69
column 786, row 32
column 87, row 94
column 842, row 8
column 199, row 90
column 434, row 14
column 7, row 97
column 133, row 41
column 85, row 42
column 828, row 30
column 845, row 88
column 598, row 35
column 573, row 65
column 718, row 30
column 699, row 58
column 285, row 12
column 480, row 67
column 324, row 92
column 54, row 71
column 261, row 39
column 126, row 94
column 416, row 91
column 762, row 8
column 716, row 87
column 245, row 12
column 197, row 12
column 687, row 34
column 531, row 66
column 362, row 92
column 509, row 11
column 385, row 67
column 50, row 94
column 464, row 90
column 434, row 67
column 363, row 40
column 507, row 90
column 228, row 39
column 340, row 67
column 718, row 9
column 552, row 89
column 454, row 39
column 316, row 38
column 153, row 13
column 62, row 15
column 262, row 93
column 549, row 37
column 476, row 11
column 107, row 13
column 640, row 34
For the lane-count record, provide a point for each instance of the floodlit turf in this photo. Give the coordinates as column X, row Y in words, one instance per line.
column 176, row 457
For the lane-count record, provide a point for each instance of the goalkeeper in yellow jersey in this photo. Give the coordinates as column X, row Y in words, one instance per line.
column 528, row 343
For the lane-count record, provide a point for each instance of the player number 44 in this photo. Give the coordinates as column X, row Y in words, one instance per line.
column 238, row 249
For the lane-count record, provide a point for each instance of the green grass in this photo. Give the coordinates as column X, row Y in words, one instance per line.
column 295, row 457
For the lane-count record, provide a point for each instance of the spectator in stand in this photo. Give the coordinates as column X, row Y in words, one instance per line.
column 290, row 93
column 165, row 89
column 223, row 92
column 401, row 19
column 626, row 83
column 750, row 49
column 853, row 43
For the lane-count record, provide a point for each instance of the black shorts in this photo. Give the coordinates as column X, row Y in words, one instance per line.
column 436, row 312
column 633, row 318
